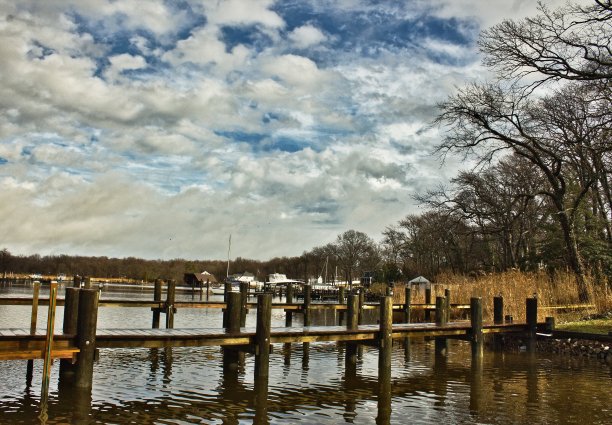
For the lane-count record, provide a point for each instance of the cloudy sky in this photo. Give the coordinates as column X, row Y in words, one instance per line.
column 156, row 129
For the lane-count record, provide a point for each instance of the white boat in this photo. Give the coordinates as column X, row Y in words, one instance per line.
column 280, row 279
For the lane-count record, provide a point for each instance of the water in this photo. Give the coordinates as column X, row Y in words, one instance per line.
column 306, row 386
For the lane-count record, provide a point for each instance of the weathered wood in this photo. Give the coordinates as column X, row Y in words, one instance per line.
column 447, row 296
column 44, row 389
column 170, row 299
column 341, row 299
column 498, row 317
column 361, row 295
column 289, row 300
column 33, row 320
column 76, row 281
column 244, row 297
column 476, row 323
column 157, row 296
column 307, row 302
column 262, row 335
column 441, row 343
column 531, row 314
column 233, row 312
column 87, row 283
column 227, row 288
column 407, row 304
column 71, row 316
column 86, row 337
column 550, row 324
column 427, row 301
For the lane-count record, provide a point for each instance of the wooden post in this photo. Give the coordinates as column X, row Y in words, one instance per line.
column 87, row 284
column 289, row 300
column 531, row 306
column 447, row 294
column 550, row 324
column 227, row 288
column 361, row 304
column 233, row 312
column 428, row 302
column 244, row 297
column 407, row 303
column 341, row 296
column 441, row 343
column 498, row 318
column 71, row 316
column 44, row 389
column 157, row 296
column 170, row 297
column 476, row 322
column 76, row 281
column 498, row 310
column 86, row 337
column 307, row 299
column 207, row 289
column 33, row 320
column 262, row 335
column 385, row 340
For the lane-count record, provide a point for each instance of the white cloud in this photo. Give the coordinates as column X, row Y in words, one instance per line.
column 306, row 36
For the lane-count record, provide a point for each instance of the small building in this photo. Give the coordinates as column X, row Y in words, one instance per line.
column 198, row 280
column 420, row 283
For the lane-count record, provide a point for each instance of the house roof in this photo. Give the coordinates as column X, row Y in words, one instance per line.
column 419, row 279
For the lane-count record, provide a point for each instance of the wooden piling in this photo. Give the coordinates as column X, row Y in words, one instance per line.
column 407, row 303
column 441, row 343
column 33, row 321
column 76, row 281
column 447, row 296
column 341, row 297
column 86, row 337
column 307, row 300
column 498, row 310
column 87, row 283
column 69, row 327
column 476, row 322
column 361, row 304
column 427, row 301
column 233, row 312
column 170, row 298
column 531, row 307
column 498, row 318
column 227, row 288
column 550, row 324
column 289, row 300
column 244, row 298
column 157, row 297
column 262, row 335
column 385, row 340
column 44, row 389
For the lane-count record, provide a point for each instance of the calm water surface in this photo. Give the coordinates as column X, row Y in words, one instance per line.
column 306, row 385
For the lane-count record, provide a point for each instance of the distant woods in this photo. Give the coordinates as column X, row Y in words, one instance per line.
column 539, row 196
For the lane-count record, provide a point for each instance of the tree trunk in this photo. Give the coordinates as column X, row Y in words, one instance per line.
column 573, row 255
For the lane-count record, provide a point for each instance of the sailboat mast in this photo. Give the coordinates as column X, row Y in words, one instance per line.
column 229, row 247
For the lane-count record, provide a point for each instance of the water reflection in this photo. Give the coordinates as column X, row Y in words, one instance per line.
column 323, row 383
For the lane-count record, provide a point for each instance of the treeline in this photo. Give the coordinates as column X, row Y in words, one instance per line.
column 540, row 195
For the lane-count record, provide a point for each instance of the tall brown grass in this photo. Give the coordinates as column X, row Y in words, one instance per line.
column 515, row 287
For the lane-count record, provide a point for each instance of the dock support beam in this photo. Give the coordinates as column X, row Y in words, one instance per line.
column 231, row 355
column 262, row 335
column 86, row 337
column 289, row 300
column 531, row 306
column 350, row 354
column 244, row 298
column 476, row 322
column 498, row 318
column 341, row 296
column 441, row 343
column 33, row 320
column 428, row 302
column 384, row 360
column 157, row 296
column 170, row 309
column 71, row 317
column 307, row 300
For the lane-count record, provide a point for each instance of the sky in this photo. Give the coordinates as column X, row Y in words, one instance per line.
column 156, row 129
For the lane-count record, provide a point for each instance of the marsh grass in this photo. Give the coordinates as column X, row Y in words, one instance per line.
column 515, row 287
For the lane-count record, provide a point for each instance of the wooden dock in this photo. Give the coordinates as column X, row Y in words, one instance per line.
column 77, row 345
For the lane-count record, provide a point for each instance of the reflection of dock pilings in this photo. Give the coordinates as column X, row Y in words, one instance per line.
column 81, row 307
